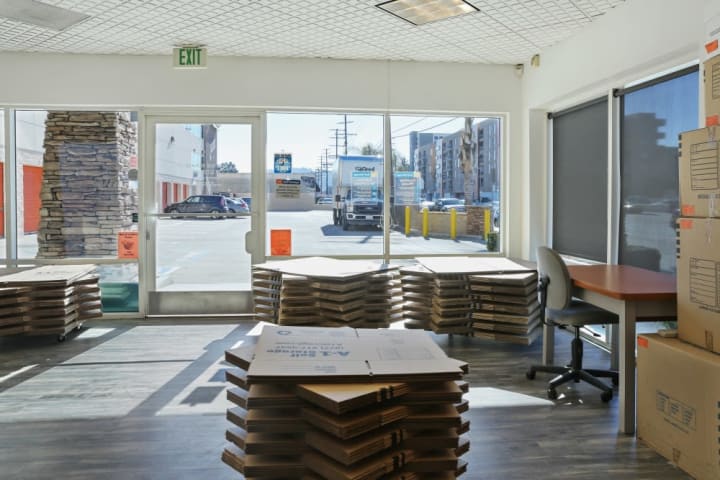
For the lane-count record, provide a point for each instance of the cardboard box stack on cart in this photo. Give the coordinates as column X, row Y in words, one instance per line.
column 55, row 298
column 343, row 403
column 679, row 378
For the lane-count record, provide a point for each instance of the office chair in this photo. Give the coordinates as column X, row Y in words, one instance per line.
column 558, row 308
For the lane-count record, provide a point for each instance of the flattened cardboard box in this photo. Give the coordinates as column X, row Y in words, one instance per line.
column 313, row 355
column 699, row 173
column 698, row 282
column 679, row 403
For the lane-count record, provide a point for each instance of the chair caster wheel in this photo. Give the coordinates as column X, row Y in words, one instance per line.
column 61, row 338
column 530, row 374
column 615, row 381
column 606, row 396
column 552, row 393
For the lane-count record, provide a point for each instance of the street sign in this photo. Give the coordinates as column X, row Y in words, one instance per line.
column 190, row 57
column 283, row 163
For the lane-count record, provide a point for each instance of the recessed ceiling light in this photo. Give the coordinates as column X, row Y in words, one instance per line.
column 40, row 14
column 419, row 12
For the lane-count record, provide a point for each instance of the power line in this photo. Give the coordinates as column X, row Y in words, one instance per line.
column 426, row 129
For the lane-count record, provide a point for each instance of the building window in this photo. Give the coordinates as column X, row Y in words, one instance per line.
column 653, row 115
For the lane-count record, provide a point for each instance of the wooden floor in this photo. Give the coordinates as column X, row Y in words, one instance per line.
column 142, row 400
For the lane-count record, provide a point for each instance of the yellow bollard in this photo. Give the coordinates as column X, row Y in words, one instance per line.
column 487, row 223
column 453, row 224
column 425, row 222
column 407, row 220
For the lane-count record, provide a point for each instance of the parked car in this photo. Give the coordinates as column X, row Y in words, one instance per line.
column 237, row 205
column 429, row 204
column 200, row 204
column 247, row 200
column 445, row 204
column 325, row 201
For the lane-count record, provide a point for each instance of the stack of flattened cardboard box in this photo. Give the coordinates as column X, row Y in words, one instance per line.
column 343, row 403
column 14, row 308
column 327, row 292
column 416, row 282
column 679, row 378
column 59, row 297
column 506, row 307
column 441, row 288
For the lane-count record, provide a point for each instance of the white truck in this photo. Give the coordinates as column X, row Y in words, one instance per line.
column 358, row 191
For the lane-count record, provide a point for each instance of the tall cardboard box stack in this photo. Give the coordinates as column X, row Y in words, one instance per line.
column 343, row 403
column 679, row 378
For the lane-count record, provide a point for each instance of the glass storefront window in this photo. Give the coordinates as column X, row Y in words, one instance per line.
column 76, row 183
column 325, row 182
column 446, row 185
column 652, row 118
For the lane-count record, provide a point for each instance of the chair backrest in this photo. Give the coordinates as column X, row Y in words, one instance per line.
column 559, row 288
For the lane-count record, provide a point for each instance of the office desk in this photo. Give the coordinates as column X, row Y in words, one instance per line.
column 631, row 293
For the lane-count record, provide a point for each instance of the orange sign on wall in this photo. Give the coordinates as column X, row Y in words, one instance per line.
column 127, row 245
column 281, row 242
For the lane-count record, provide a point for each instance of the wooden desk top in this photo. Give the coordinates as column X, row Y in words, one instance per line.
column 624, row 282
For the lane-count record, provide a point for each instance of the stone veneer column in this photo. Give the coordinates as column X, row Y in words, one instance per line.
column 85, row 196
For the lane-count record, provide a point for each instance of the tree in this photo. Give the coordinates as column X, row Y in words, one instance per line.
column 370, row 149
column 466, row 160
column 399, row 162
column 227, row 167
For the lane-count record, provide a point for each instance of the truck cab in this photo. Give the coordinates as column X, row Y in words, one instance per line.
column 366, row 212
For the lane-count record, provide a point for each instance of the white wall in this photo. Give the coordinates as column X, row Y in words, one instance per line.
column 633, row 41
column 47, row 80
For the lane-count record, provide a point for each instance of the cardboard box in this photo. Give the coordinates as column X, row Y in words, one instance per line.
column 700, row 172
column 679, row 402
column 698, row 282
column 711, row 80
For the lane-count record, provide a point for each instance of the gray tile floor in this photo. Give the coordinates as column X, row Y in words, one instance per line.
column 146, row 400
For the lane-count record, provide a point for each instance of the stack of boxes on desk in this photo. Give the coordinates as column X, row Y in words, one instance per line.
column 679, row 378
column 343, row 403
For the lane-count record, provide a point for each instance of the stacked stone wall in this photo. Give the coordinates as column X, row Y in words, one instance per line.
column 86, row 198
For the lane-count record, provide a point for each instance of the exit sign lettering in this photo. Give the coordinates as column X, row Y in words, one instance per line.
column 190, row 57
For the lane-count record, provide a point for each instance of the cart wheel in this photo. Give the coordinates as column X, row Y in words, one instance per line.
column 79, row 327
column 61, row 338
column 552, row 393
column 530, row 374
column 606, row 396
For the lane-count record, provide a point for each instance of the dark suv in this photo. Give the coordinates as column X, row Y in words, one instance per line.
column 199, row 204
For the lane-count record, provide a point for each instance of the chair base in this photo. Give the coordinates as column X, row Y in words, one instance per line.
column 576, row 373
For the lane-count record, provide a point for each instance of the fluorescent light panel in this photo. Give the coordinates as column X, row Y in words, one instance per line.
column 420, row 12
column 40, row 14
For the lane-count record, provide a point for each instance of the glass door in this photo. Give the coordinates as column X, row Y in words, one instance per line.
column 202, row 211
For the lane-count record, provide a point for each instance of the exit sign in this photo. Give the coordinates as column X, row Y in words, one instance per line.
column 190, row 57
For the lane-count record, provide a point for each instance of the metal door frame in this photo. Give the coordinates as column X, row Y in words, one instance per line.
column 151, row 302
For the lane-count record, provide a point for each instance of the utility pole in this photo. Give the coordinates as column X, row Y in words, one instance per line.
column 341, row 133
column 327, row 178
column 324, row 172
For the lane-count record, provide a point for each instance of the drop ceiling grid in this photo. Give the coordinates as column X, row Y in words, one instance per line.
column 502, row 32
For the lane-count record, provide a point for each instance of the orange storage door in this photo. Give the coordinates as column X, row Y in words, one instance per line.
column 186, row 190
column 32, row 183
